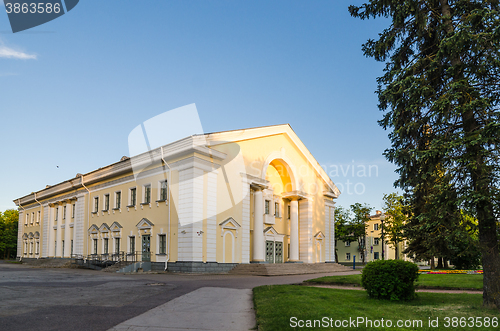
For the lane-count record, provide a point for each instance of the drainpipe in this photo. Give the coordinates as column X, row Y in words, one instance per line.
column 41, row 213
column 88, row 215
column 168, row 201
column 19, row 202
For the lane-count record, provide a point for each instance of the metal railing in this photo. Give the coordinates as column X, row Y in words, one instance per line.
column 101, row 261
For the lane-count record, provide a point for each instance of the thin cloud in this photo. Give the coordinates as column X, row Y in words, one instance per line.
column 9, row 53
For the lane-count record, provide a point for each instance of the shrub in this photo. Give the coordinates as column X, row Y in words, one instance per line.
column 390, row 279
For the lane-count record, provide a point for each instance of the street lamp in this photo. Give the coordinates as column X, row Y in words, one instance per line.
column 382, row 218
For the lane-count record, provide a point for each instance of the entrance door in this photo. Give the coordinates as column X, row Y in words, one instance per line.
column 269, row 251
column 278, row 252
column 146, row 248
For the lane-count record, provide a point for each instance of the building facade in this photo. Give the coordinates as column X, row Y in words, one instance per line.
column 253, row 195
column 374, row 251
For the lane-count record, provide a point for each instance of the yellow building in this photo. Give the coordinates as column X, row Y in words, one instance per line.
column 375, row 248
column 253, row 195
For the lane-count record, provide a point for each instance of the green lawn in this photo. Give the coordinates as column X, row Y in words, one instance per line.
column 277, row 305
column 449, row 281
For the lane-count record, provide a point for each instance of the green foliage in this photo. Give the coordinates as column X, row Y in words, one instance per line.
column 396, row 212
column 350, row 225
column 390, row 279
column 441, row 95
column 8, row 233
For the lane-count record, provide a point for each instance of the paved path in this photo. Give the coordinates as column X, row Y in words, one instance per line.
column 207, row 308
column 81, row 300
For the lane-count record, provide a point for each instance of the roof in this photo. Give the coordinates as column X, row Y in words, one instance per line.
column 124, row 165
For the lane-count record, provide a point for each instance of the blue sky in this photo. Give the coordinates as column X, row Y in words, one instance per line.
column 71, row 90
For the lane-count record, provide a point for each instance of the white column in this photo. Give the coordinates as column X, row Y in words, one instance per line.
column 294, row 230
column 67, row 231
column 258, row 227
column 58, row 253
column 49, row 239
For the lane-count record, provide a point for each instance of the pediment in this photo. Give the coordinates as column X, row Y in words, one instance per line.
column 116, row 227
column 144, row 224
column 37, row 235
column 30, row 235
column 104, row 228
column 230, row 223
column 270, row 230
column 25, row 236
column 319, row 236
column 93, row 229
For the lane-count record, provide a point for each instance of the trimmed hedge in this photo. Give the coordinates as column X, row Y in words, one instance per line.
column 390, row 279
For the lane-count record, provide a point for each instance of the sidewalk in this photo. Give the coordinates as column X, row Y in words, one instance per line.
column 207, row 308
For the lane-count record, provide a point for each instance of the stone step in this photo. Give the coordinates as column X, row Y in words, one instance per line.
column 278, row 269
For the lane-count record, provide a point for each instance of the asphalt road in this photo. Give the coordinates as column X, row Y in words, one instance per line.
column 78, row 299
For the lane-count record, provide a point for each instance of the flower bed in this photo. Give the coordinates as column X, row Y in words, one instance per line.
column 468, row 272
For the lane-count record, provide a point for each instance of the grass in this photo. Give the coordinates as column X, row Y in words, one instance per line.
column 443, row 281
column 275, row 305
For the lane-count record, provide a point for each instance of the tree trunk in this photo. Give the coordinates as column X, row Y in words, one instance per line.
column 440, row 263
column 445, row 263
column 433, row 266
column 480, row 175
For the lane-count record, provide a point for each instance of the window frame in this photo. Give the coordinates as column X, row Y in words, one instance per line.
column 132, row 196
column 276, row 209
column 347, row 243
column 267, row 207
column 96, row 205
column 348, row 256
column 118, row 200
column 105, row 207
column 162, row 244
column 146, row 194
column 163, row 190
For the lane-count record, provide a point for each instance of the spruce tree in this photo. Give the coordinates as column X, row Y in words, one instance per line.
column 443, row 74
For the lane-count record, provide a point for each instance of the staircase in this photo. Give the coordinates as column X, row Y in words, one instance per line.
column 282, row 269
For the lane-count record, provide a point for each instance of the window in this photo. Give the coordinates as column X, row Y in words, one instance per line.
column 25, row 247
column 37, row 248
column 375, row 256
column 96, row 205
column 163, row 244
column 117, row 245
column 71, row 248
column 64, row 212
column 55, row 248
column 347, row 243
column 38, row 216
column 267, row 207
column 163, row 191
column 118, row 200
column 132, row 245
column 375, row 241
column 133, row 196
column 375, row 226
column 31, row 248
column 289, row 211
column 95, row 246
column 348, row 256
column 106, row 248
column 27, row 219
column 147, row 194
column 106, row 202
column 62, row 243
column 276, row 209
column 57, row 213
column 32, row 218
column 73, row 211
